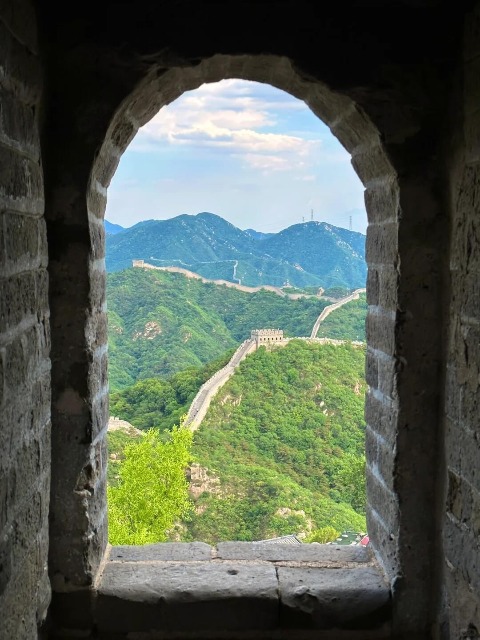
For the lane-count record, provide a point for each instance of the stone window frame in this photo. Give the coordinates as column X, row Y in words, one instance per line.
column 78, row 545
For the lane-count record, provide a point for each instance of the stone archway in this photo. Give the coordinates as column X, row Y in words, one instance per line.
column 400, row 488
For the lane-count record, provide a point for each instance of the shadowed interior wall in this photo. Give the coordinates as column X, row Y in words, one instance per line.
column 462, row 388
column 24, row 332
column 405, row 103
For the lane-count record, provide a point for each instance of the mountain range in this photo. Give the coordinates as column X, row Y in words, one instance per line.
column 307, row 254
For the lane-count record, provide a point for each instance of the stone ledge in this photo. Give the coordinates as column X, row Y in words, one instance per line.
column 325, row 554
column 163, row 551
column 340, row 598
column 186, row 597
column 182, row 590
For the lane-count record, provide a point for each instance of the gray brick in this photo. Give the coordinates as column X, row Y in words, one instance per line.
column 194, row 597
column 329, row 555
column 173, row 551
column 18, row 125
column 372, row 164
column 22, row 183
column 21, row 69
column 314, row 598
column 382, row 201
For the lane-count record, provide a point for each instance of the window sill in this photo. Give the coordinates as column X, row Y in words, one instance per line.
column 242, row 589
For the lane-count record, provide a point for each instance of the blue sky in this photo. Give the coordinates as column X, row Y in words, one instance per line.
column 245, row 151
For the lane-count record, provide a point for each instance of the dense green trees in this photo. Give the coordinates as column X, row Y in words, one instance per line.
column 160, row 402
column 161, row 323
column 151, row 493
column 347, row 322
column 285, row 435
column 281, row 435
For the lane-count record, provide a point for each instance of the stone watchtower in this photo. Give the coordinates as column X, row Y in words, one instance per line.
column 265, row 336
column 138, row 263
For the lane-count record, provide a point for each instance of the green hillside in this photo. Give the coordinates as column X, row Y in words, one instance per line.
column 347, row 322
column 161, row 323
column 284, row 436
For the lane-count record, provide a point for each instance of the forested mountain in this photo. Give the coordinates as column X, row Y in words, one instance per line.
column 307, row 254
column 281, row 449
column 161, row 323
column 112, row 228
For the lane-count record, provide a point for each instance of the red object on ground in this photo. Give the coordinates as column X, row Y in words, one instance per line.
column 364, row 541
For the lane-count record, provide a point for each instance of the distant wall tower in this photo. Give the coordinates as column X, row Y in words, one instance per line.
column 138, row 263
column 265, row 336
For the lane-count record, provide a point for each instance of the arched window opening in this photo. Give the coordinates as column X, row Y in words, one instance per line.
column 281, row 450
column 79, row 501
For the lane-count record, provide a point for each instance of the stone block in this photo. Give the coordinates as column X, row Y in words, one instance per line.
column 97, row 239
column 96, row 201
column 380, row 455
column 380, row 331
column 21, row 241
column 381, row 497
column 354, row 129
column 462, row 551
column 193, row 597
column 371, row 163
column 22, row 73
column 22, row 183
column 381, row 414
column 122, row 133
column 382, row 243
column 18, row 125
column 373, row 285
column 382, row 201
column 312, row 598
column 106, row 164
column 327, row 554
column 17, row 300
column 173, row 551
column 371, row 369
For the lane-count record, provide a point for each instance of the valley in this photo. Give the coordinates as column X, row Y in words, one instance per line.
column 213, row 320
column 276, row 444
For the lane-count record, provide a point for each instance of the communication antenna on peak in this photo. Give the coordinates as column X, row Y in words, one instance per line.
column 311, row 216
column 350, row 227
column 303, row 218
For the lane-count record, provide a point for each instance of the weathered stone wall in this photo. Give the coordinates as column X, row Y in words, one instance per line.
column 24, row 333
column 462, row 393
column 384, row 93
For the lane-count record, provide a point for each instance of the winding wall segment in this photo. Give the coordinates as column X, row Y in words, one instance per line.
column 331, row 307
column 201, row 402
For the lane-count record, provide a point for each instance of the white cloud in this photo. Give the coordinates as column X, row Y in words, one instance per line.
column 226, row 117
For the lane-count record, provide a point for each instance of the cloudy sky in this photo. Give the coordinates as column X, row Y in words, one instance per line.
column 245, row 151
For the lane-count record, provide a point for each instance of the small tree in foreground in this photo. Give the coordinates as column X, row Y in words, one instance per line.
column 152, row 490
column 323, row 535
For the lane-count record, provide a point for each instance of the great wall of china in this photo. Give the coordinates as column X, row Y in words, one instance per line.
column 258, row 338
column 141, row 264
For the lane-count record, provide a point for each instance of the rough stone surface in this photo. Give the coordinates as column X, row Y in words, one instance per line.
column 187, row 597
column 405, row 103
column 319, row 553
column 174, row 551
column 340, row 598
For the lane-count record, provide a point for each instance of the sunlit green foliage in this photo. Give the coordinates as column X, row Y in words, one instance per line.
column 347, row 322
column 161, row 323
column 323, row 535
column 278, row 435
column 152, row 492
column 160, row 402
